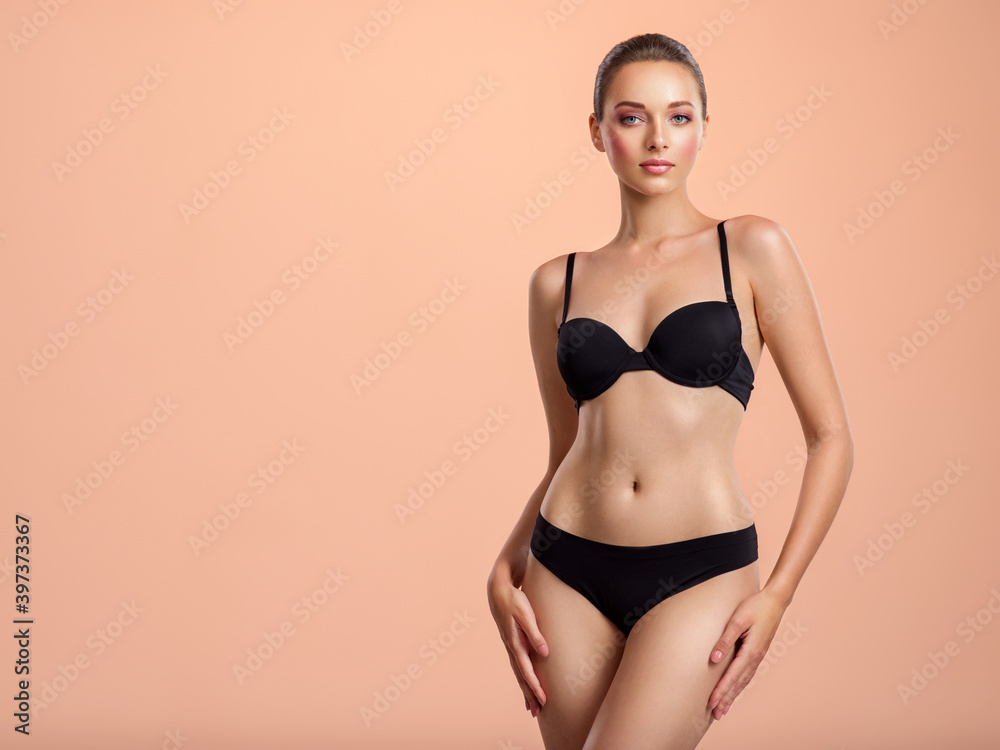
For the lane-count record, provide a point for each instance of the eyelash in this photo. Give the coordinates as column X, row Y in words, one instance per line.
column 625, row 117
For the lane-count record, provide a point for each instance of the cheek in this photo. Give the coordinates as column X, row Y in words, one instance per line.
column 687, row 148
column 616, row 145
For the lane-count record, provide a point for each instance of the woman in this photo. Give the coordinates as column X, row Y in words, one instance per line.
column 628, row 594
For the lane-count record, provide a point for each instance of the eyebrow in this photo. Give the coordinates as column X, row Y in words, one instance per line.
column 637, row 105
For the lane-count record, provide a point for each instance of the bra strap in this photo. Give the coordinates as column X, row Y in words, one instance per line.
column 569, row 283
column 725, row 264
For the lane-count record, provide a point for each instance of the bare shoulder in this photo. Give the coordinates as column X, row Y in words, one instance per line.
column 545, row 286
column 550, row 274
column 758, row 241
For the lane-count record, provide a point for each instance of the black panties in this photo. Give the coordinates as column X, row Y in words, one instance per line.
column 625, row 582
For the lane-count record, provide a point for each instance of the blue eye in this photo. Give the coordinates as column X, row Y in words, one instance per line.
column 622, row 119
column 688, row 119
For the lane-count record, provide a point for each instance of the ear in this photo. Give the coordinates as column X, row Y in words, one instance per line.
column 595, row 132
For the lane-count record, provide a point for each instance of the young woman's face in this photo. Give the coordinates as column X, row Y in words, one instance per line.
column 652, row 111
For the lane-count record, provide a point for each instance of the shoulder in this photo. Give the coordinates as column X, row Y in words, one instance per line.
column 546, row 281
column 751, row 235
column 761, row 246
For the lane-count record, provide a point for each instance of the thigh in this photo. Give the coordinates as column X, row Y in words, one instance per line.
column 659, row 696
column 584, row 651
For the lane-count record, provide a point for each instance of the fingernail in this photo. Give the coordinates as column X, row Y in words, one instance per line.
column 716, row 654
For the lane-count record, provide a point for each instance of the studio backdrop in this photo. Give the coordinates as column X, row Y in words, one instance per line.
column 269, row 408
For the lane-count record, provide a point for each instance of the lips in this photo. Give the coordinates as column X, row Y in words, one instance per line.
column 657, row 166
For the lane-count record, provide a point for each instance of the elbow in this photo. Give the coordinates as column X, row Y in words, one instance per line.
column 838, row 441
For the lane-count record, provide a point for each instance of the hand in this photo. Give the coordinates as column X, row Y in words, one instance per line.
column 516, row 621
column 755, row 622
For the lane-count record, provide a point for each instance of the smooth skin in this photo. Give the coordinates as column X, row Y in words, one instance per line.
column 690, row 656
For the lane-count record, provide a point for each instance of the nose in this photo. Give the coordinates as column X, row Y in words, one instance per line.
column 656, row 138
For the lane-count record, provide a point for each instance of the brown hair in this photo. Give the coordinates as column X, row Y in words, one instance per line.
column 640, row 48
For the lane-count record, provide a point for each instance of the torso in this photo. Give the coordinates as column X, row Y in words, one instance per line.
column 652, row 461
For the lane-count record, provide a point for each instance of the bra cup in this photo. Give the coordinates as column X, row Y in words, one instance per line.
column 699, row 344
column 589, row 353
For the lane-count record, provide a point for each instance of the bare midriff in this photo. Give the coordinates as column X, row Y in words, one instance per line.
column 652, row 463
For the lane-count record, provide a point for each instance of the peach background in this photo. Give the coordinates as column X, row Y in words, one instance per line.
column 165, row 678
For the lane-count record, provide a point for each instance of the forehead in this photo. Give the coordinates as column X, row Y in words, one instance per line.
column 654, row 83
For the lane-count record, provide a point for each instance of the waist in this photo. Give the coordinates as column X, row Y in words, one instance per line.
column 645, row 502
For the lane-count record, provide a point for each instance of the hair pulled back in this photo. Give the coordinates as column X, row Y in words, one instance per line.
column 640, row 48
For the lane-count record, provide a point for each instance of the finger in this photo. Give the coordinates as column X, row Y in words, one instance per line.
column 530, row 701
column 733, row 632
column 727, row 701
column 747, row 669
column 519, row 647
column 525, row 616
column 737, row 666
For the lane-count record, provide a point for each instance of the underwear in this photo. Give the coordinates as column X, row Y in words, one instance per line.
column 625, row 582
column 697, row 345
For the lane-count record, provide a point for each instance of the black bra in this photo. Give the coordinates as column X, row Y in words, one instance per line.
column 697, row 345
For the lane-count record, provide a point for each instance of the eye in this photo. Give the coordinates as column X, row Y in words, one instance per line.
column 686, row 118
column 622, row 119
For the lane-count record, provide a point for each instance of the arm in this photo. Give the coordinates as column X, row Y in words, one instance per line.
column 798, row 346
column 799, row 350
column 790, row 325
column 509, row 605
column 545, row 298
